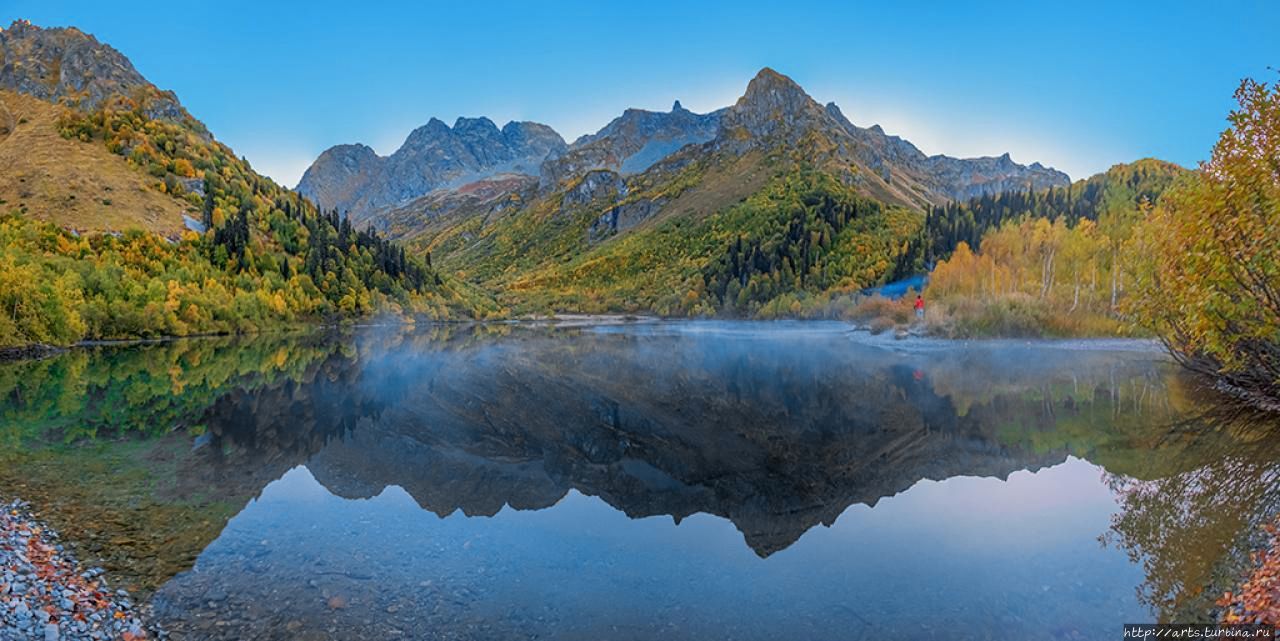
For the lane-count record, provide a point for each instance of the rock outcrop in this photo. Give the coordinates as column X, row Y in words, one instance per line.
column 69, row 65
column 355, row 180
column 493, row 195
column 773, row 110
column 594, row 185
column 632, row 142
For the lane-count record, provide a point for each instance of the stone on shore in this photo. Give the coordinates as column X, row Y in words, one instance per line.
column 45, row 594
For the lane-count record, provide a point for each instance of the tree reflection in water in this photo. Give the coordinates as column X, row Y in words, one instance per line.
column 777, row 432
column 1193, row 530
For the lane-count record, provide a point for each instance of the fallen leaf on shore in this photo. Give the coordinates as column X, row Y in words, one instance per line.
column 1258, row 598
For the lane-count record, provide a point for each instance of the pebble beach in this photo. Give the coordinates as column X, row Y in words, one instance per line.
column 46, row 595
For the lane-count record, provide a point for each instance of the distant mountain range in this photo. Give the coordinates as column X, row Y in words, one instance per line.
column 539, row 235
column 355, row 180
column 747, row 210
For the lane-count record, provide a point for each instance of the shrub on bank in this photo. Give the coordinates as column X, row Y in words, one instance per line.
column 1016, row 315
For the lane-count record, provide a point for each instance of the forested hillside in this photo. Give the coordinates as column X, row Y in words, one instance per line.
column 1098, row 198
column 256, row 254
column 808, row 236
column 785, row 250
column 1050, row 262
column 774, row 216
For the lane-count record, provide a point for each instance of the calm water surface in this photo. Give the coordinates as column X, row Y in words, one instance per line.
column 643, row 481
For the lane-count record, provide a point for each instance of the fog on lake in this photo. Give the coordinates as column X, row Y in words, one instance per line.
column 640, row 481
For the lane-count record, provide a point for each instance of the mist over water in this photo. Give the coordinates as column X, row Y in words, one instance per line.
column 656, row 481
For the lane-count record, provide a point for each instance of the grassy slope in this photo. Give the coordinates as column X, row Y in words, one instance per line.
column 80, row 186
column 543, row 257
column 272, row 260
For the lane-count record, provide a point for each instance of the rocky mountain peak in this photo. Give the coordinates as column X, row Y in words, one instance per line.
column 773, row 108
column 483, row 140
column 481, row 124
column 20, row 26
column 350, row 154
column 424, row 135
column 632, row 142
column 534, row 137
column 66, row 64
column 339, row 173
column 435, row 129
column 772, row 91
column 434, row 155
column 776, row 112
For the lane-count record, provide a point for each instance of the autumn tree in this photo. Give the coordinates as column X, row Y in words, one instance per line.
column 1207, row 258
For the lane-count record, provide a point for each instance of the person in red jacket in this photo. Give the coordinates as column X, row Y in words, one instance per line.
column 919, row 307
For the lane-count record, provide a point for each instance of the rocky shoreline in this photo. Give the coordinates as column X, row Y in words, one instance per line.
column 45, row 595
column 33, row 351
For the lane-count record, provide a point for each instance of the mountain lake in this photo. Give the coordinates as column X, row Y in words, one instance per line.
column 647, row 480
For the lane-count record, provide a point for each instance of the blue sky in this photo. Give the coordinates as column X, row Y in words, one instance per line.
column 1078, row 86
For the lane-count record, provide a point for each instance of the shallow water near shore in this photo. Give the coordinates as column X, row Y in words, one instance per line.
column 639, row 481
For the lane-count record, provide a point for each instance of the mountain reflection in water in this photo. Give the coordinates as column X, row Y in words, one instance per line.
column 350, row 450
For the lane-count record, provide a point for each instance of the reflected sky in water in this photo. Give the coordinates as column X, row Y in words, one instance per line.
column 1017, row 557
column 669, row 480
